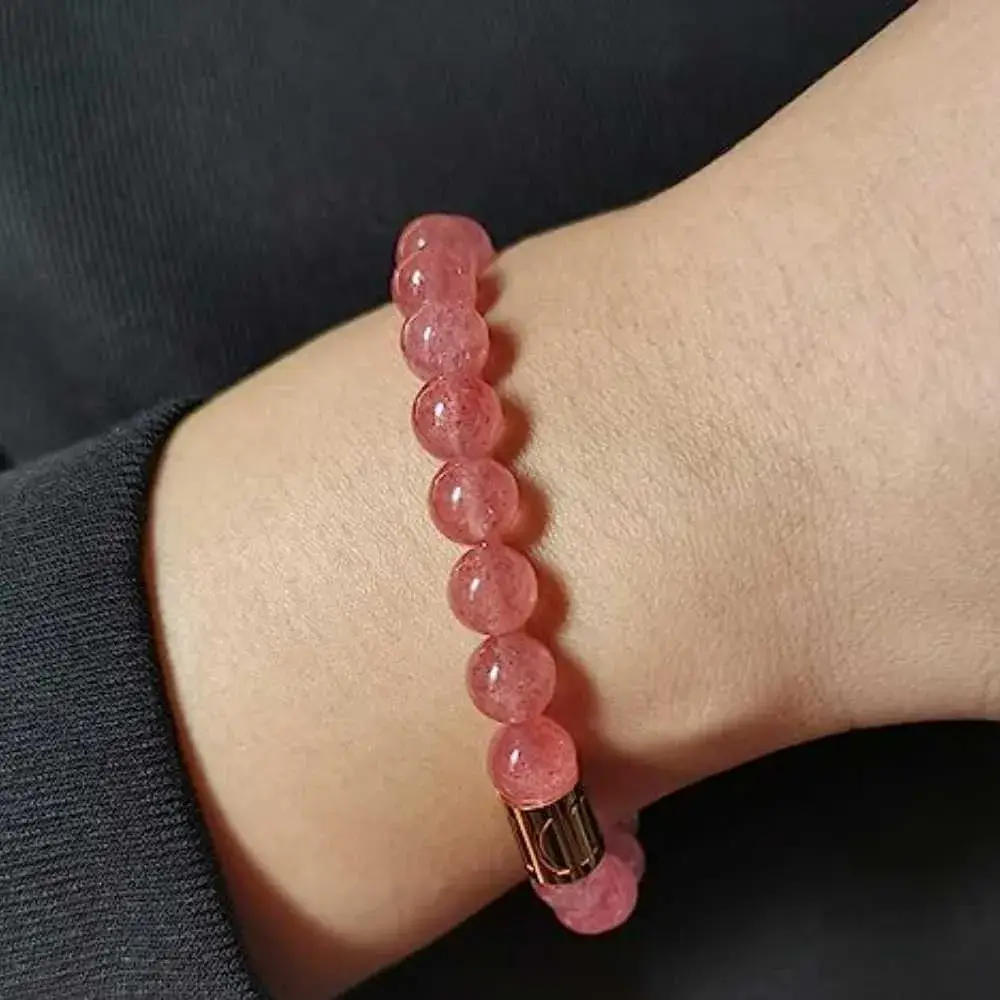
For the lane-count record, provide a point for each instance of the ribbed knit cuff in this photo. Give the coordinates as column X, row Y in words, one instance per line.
column 108, row 886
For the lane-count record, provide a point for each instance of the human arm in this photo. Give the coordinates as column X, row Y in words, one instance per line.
column 780, row 376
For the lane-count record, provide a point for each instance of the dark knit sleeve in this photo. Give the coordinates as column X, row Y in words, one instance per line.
column 108, row 887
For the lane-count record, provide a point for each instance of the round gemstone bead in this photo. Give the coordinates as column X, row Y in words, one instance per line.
column 631, row 824
column 444, row 339
column 622, row 844
column 511, row 678
column 493, row 589
column 472, row 500
column 461, row 235
column 533, row 763
column 433, row 275
column 455, row 416
column 598, row 903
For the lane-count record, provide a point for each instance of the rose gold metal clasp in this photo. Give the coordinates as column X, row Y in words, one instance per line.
column 561, row 842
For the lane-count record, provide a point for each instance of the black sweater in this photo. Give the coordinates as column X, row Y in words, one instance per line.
column 188, row 189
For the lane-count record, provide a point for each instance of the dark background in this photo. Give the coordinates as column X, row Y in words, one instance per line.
column 188, row 189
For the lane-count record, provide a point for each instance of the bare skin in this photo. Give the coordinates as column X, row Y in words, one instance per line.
column 763, row 413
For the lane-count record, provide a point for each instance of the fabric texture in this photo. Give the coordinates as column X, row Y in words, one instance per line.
column 189, row 189
column 107, row 886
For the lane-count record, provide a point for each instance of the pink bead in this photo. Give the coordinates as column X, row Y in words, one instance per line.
column 511, row 678
column 433, row 275
column 442, row 339
column 533, row 763
column 456, row 233
column 624, row 845
column 629, row 823
column 472, row 500
column 455, row 416
column 598, row 903
column 493, row 589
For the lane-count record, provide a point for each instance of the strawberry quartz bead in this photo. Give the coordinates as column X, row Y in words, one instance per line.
column 598, row 903
column 629, row 823
column 623, row 844
column 445, row 339
column 511, row 678
column 433, row 275
column 532, row 764
column 456, row 233
column 620, row 841
column 472, row 500
column 455, row 416
column 493, row 589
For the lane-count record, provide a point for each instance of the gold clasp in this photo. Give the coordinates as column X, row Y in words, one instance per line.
column 559, row 843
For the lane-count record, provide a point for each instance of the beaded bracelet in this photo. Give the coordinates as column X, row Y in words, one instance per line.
column 588, row 875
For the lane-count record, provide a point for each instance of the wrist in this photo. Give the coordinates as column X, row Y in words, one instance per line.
column 289, row 560
column 644, row 461
column 843, row 291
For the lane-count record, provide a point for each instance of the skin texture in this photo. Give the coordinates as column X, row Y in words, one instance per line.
column 757, row 421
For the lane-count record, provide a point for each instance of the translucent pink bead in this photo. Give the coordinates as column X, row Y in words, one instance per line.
column 624, row 845
column 511, row 678
column 444, row 339
column 455, row 416
column 533, row 763
column 472, row 500
column 456, row 233
column 493, row 589
column 433, row 275
column 599, row 903
column 631, row 824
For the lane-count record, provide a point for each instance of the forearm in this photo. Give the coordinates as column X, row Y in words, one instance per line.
column 761, row 412
column 838, row 276
column 312, row 656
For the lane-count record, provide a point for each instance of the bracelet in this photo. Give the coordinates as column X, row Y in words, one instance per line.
column 588, row 875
